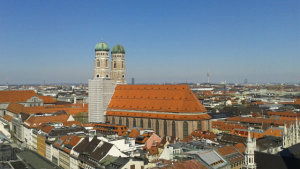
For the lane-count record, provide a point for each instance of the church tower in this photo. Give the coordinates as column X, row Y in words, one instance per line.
column 118, row 72
column 101, row 87
column 249, row 162
column 102, row 67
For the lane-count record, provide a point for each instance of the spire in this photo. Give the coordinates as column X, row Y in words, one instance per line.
column 249, row 137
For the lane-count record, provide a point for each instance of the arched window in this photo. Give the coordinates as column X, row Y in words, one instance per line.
column 134, row 122
column 122, row 64
column 149, row 123
column 115, row 64
column 157, row 127
column 106, row 63
column 142, row 123
column 185, row 129
column 199, row 127
column 127, row 122
column 120, row 120
column 165, row 127
column 113, row 120
column 98, row 63
column 173, row 129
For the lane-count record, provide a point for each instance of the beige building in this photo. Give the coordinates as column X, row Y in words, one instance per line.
column 118, row 72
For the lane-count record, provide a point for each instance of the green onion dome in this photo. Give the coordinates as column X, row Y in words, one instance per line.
column 102, row 46
column 118, row 49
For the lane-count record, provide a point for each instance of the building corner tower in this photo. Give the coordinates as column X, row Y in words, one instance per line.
column 118, row 71
column 101, row 87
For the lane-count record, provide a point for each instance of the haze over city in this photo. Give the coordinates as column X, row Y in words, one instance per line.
column 165, row 41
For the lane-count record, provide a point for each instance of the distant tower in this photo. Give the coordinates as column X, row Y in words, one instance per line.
column 102, row 68
column 132, row 81
column 246, row 82
column 208, row 77
column 118, row 72
column 249, row 162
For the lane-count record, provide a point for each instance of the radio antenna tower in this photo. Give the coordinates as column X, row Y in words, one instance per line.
column 208, row 77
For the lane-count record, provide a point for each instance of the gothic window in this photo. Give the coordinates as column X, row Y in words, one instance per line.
column 157, row 126
column 113, row 120
column 122, row 64
column 165, row 127
column 127, row 122
column 142, row 123
column 185, row 129
column 134, row 122
column 149, row 123
column 120, row 120
column 115, row 64
column 106, row 63
column 199, row 127
column 173, row 129
column 98, row 63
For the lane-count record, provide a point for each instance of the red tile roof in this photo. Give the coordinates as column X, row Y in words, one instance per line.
column 7, row 117
column 240, row 147
column 16, row 96
column 226, row 150
column 162, row 98
column 35, row 121
column 199, row 134
column 15, row 108
column 134, row 133
column 47, row 99
column 46, row 128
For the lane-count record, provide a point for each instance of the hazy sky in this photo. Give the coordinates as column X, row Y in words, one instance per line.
column 165, row 40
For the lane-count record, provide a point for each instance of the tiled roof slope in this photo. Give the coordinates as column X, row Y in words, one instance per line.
column 16, row 95
column 162, row 98
column 15, row 108
column 47, row 99
column 35, row 121
column 7, row 117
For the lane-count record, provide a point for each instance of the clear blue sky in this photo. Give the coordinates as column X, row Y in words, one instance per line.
column 165, row 40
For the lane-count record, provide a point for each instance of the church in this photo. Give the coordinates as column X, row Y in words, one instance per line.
column 169, row 110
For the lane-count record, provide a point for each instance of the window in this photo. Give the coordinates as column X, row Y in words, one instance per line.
column 97, row 75
column 115, row 64
column 122, row 64
column 185, row 129
column 106, row 63
column 142, row 123
column 120, row 120
column 98, row 63
column 149, row 123
column 173, row 129
column 199, row 127
column 157, row 126
column 134, row 122
column 165, row 127
column 113, row 120
column 127, row 122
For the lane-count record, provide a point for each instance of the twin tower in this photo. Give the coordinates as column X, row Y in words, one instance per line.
column 106, row 69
